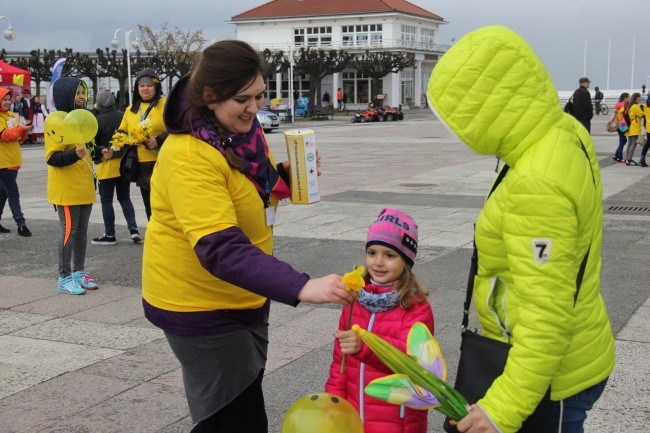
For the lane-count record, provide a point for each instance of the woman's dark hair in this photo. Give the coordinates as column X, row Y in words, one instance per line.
column 225, row 68
column 623, row 96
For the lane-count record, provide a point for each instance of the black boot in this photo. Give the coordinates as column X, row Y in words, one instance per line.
column 4, row 230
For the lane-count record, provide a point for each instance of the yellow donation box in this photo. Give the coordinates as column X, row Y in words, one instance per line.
column 301, row 149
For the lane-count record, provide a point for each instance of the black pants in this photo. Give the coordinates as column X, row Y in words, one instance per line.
column 246, row 413
column 146, row 199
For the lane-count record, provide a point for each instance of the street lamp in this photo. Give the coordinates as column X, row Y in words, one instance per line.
column 9, row 32
column 135, row 44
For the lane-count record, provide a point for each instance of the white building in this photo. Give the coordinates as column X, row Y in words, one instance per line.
column 354, row 25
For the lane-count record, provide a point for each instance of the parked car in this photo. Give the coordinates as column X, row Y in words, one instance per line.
column 268, row 120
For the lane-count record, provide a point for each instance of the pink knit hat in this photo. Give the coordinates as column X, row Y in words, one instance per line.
column 396, row 230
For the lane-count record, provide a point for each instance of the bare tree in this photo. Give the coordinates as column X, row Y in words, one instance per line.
column 172, row 53
column 319, row 63
column 377, row 65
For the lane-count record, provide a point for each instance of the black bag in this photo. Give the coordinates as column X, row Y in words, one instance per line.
column 482, row 360
column 129, row 164
column 568, row 107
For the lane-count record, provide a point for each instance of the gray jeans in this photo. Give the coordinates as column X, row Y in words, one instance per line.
column 74, row 237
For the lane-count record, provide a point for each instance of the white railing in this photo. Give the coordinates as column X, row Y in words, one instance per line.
column 388, row 44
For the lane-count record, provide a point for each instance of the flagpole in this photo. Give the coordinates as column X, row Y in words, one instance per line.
column 633, row 53
column 584, row 65
column 609, row 59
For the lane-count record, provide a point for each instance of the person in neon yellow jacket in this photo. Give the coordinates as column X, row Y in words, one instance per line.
column 533, row 233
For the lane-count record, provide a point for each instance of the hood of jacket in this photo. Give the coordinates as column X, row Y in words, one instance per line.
column 3, row 92
column 64, row 92
column 495, row 95
column 179, row 116
column 136, row 98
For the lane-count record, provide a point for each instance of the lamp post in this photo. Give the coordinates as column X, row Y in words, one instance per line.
column 135, row 44
column 9, row 32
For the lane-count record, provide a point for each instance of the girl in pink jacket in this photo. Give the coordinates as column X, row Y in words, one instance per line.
column 391, row 302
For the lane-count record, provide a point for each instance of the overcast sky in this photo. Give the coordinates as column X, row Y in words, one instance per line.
column 556, row 29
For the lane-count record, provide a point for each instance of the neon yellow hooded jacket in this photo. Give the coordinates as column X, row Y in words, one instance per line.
column 493, row 92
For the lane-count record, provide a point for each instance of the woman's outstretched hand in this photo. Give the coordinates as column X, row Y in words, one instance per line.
column 476, row 421
column 327, row 289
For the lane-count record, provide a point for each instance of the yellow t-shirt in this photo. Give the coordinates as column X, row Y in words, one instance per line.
column 72, row 184
column 108, row 169
column 194, row 193
column 131, row 120
column 10, row 153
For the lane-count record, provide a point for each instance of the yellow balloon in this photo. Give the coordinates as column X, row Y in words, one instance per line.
column 54, row 126
column 80, row 127
column 322, row 413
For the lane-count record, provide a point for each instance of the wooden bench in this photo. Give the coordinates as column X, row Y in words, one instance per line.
column 321, row 113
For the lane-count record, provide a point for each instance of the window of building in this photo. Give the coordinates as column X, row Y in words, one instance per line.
column 313, row 36
column 427, row 38
column 361, row 35
column 407, row 87
column 357, row 87
column 408, row 36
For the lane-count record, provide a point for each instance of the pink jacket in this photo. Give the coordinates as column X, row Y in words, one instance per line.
column 363, row 367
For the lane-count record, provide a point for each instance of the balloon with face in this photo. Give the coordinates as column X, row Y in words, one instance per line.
column 322, row 413
column 54, row 128
column 80, row 127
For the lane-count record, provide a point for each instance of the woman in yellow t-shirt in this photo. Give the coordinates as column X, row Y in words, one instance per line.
column 144, row 117
column 208, row 273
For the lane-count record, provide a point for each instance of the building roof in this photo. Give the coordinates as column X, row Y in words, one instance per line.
column 312, row 8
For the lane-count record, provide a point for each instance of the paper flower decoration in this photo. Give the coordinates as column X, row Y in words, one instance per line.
column 419, row 379
column 353, row 281
column 18, row 80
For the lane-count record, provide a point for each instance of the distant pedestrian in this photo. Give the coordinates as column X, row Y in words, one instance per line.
column 582, row 108
column 633, row 114
column 345, row 101
column 326, row 99
column 339, row 98
column 38, row 120
column 620, row 107
column 646, row 146
column 12, row 132
column 108, row 172
column 598, row 98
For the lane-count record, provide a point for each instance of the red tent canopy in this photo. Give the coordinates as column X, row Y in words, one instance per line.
column 11, row 76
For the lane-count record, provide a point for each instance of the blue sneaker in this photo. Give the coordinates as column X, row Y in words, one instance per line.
column 68, row 286
column 84, row 280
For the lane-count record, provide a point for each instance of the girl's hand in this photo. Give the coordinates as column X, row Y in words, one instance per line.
column 107, row 153
column 350, row 341
column 27, row 127
column 318, row 163
column 81, row 151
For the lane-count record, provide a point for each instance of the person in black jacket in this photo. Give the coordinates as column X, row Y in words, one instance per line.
column 108, row 171
column 598, row 97
column 582, row 108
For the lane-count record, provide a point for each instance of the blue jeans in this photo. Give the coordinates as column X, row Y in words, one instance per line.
column 574, row 409
column 586, row 124
column 123, row 189
column 9, row 189
column 622, row 139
